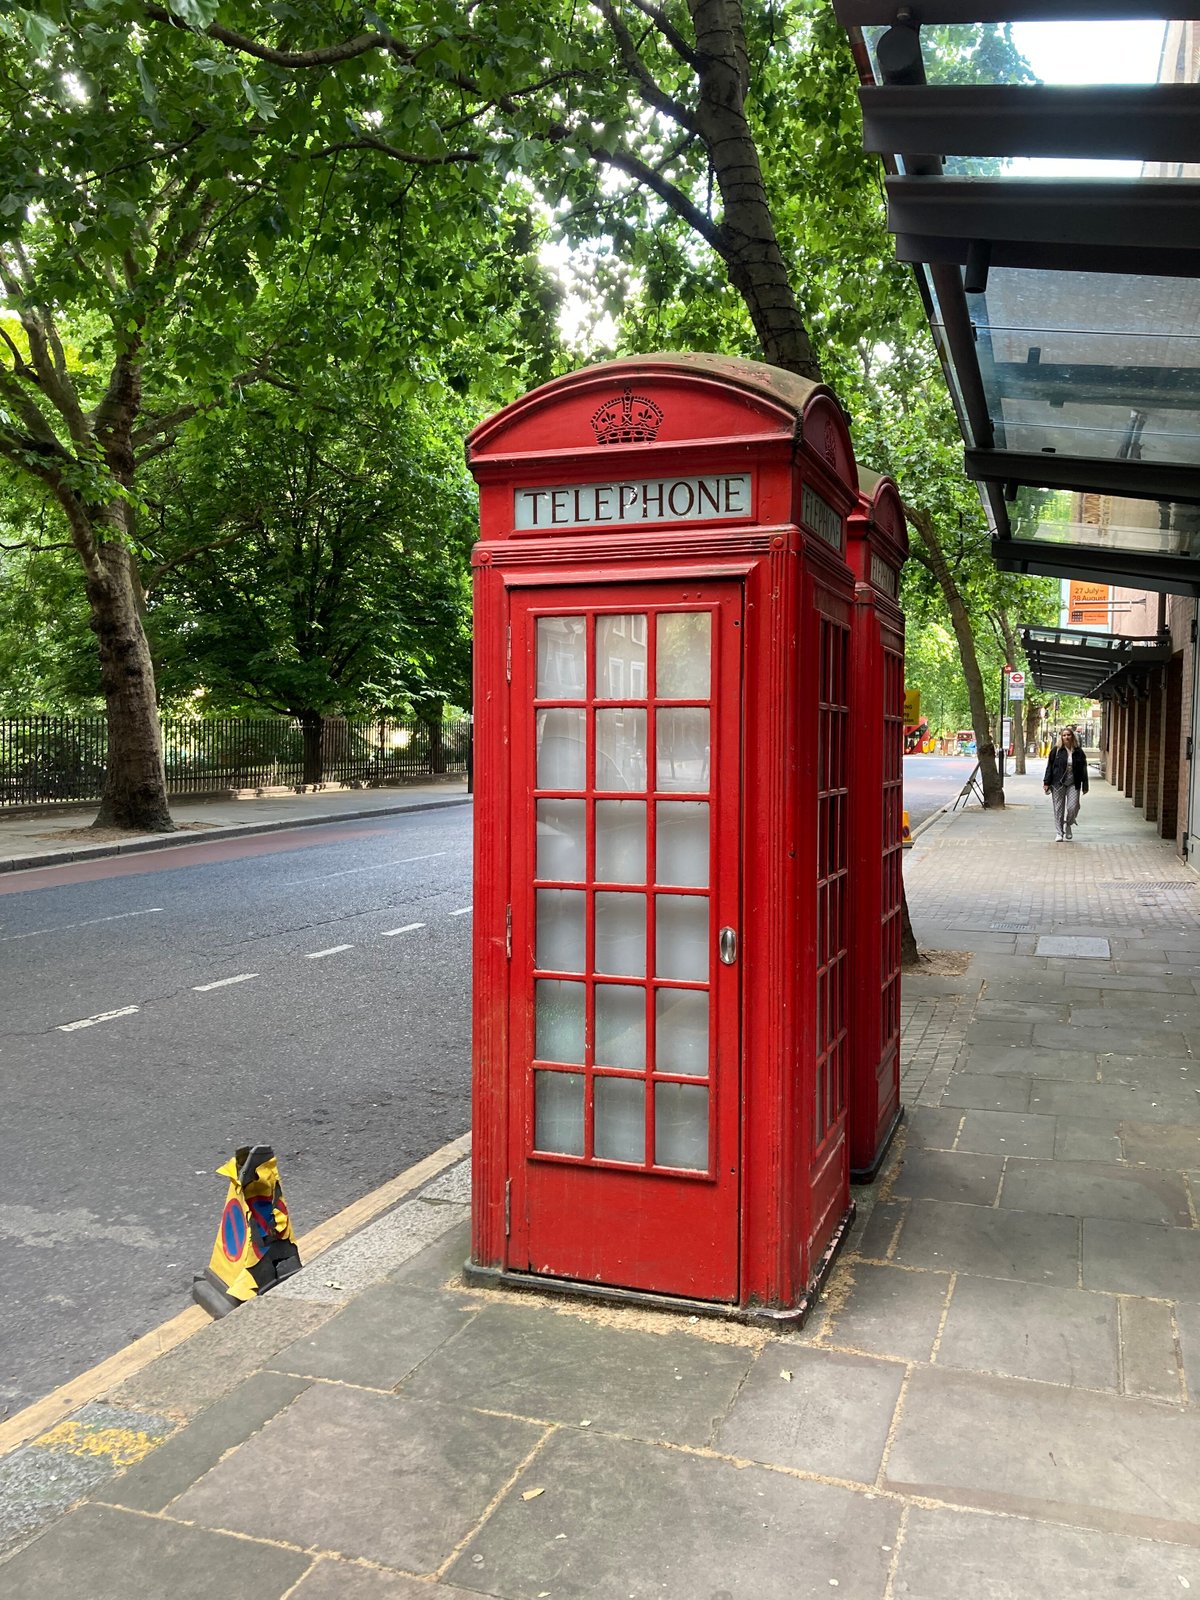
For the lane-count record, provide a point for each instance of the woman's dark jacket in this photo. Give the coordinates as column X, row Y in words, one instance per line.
column 1056, row 768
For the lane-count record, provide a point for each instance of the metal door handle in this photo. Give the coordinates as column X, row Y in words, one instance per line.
column 727, row 946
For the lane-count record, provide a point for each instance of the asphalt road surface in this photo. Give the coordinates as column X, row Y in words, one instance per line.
column 929, row 781
column 307, row 989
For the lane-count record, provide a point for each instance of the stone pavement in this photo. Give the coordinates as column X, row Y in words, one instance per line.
column 998, row 1397
column 45, row 839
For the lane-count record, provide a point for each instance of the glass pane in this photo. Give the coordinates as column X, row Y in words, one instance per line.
column 621, row 658
column 620, row 841
column 620, row 1129
column 684, row 650
column 562, row 839
column 621, row 934
column 561, row 749
column 681, row 937
column 558, row 1112
column 560, row 930
column 681, row 1032
column 558, row 1020
column 682, row 737
column 562, row 658
column 681, row 1126
column 621, row 749
column 1107, row 522
column 620, row 1026
column 682, row 828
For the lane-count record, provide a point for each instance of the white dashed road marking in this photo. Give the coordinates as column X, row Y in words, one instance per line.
column 221, row 983
column 66, row 927
column 315, row 955
column 465, row 912
column 376, row 866
column 409, row 927
column 101, row 1016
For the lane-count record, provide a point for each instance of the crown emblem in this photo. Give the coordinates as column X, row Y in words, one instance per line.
column 627, row 419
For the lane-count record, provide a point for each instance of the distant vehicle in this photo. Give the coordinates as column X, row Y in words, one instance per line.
column 964, row 742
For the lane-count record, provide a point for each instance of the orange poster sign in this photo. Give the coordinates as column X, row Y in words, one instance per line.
column 1087, row 605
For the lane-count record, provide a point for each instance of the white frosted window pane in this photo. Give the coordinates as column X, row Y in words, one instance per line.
column 558, row 1021
column 562, row 658
column 684, row 649
column 621, row 749
column 681, row 1031
column 558, row 1113
column 620, row 1026
column 562, row 839
column 683, row 748
column 682, row 830
column 561, row 749
column 681, row 937
column 560, row 930
column 620, row 1128
column 621, row 658
column 621, row 934
column 681, row 1126
column 620, row 841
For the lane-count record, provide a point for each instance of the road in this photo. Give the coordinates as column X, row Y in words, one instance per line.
column 929, row 781
column 309, row 989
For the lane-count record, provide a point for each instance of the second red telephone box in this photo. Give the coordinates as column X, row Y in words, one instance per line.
column 662, row 646
column 878, row 549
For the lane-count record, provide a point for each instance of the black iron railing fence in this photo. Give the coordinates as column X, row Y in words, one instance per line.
column 46, row 759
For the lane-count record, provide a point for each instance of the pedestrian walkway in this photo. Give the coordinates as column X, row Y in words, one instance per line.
column 49, row 838
column 998, row 1396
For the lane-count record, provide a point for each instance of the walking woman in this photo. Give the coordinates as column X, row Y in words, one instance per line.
column 1066, row 779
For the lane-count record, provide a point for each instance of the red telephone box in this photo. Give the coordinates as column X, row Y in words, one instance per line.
column 662, row 622
column 878, row 548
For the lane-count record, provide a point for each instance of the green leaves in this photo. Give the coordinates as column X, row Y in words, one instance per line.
column 199, row 14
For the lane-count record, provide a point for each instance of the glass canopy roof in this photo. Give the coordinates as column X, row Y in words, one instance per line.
column 1075, row 661
column 1044, row 181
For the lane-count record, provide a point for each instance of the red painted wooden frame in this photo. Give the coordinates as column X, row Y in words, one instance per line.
column 878, row 548
column 650, row 421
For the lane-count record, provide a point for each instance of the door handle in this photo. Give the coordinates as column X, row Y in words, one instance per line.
column 727, row 946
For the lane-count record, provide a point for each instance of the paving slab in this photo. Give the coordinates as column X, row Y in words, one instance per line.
column 1007, row 1133
column 819, row 1411
column 176, row 1465
column 879, row 1231
column 1187, row 1325
column 987, row 1092
column 993, row 1031
column 1174, row 1075
column 1077, row 1066
column 1154, row 1144
column 1028, row 1011
column 1150, row 1361
column 948, row 1175
column 36, row 1485
column 1077, row 946
column 1061, row 1455
column 103, row 1553
column 331, row 1579
column 1117, row 1100
column 1087, row 1139
column 1132, row 1258
column 990, row 1244
column 948, row 1555
column 562, row 1367
column 885, row 1311
column 220, row 1357
column 931, row 1128
column 371, row 1254
column 622, row 1518
column 382, row 1336
column 440, row 1264
column 1114, row 982
column 1116, row 1040
column 1094, row 1189
column 1025, row 1330
column 411, row 1480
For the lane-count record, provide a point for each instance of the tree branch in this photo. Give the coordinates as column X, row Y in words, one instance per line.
column 324, row 56
column 652, row 91
column 670, row 33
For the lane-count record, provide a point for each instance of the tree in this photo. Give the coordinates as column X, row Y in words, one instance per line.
column 151, row 180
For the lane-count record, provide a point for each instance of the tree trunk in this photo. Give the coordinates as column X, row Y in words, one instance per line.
column 985, row 749
column 1033, row 719
column 1018, row 721
column 310, row 733
column 135, row 788
column 748, row 241
column 910, row 955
